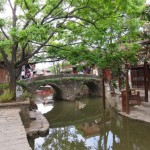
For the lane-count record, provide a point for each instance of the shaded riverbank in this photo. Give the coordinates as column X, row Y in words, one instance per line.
column 140, row 113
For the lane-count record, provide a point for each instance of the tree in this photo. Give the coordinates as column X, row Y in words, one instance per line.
column 145, row 34
column 31, row 26
column 65, row 28
column 110, row 42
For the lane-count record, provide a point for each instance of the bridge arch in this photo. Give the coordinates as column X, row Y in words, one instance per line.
column 94, row 88
column 89, row 88
column 67, row 88
column 57, row 95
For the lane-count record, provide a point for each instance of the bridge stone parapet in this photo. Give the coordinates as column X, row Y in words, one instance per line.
column 40, row 77
column 68, row 86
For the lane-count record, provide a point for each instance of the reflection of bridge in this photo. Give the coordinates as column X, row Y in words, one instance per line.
column 65, row 114
column 68, row 86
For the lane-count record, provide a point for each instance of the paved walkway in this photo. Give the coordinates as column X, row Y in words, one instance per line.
column 12, row 132
column 141, row 112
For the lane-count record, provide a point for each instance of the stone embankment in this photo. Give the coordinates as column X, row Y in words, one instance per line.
column 12, row 132
column 140, row 113
column 38, row 124
column 16, row 123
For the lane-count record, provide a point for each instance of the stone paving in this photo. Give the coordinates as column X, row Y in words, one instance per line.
column 12, row 132
column 141, row 112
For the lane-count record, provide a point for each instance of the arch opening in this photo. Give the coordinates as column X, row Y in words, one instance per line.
column 88, row 89
column 94, row 89
column 49, row 92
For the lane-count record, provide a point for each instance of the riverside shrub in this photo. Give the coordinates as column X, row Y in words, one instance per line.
column 7, row 96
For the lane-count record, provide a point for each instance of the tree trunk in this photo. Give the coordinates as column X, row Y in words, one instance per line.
column 12, row 80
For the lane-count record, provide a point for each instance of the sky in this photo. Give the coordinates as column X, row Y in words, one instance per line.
column 148, row 1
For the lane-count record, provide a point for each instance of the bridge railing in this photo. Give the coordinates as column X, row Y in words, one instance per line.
column 73, row 75
column 66, row 76
column 40, row 77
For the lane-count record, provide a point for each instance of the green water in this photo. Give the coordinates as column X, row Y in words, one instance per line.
column 84, row 125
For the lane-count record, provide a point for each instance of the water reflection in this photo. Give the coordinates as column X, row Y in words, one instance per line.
column 65, row 138
column 44, row 102
column 44, row 108
column 84, row 125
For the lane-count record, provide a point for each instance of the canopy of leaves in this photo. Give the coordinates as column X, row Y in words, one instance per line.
column 88, row 30
column 145, row 36
column 109, row 38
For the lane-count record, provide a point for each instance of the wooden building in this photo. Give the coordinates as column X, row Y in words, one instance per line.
column 140, row 76
column 4, row 76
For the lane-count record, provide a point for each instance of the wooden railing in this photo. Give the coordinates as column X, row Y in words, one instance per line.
column 133, row 97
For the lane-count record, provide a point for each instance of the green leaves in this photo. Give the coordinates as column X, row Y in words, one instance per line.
column 78, row 31
column 2, row 23
column 5, row 43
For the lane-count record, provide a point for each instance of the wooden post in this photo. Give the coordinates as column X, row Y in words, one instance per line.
column 119, row 79
column 127, row 88
column 103, row 88
column 146, row 82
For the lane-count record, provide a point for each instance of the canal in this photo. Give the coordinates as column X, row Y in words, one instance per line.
column 85, row 125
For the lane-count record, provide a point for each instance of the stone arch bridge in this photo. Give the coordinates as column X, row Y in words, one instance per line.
column 66, row 86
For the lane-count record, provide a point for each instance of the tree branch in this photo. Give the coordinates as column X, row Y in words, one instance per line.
column 69, row 44
column 5, row 59
column 28, row 22
column 59, row 12
column 41, row 46
column 68, row 15
column 85, row 20
column 45, row 61
column 10, row 5
column 48, row 14
column 4, row 33
column 26, row 4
